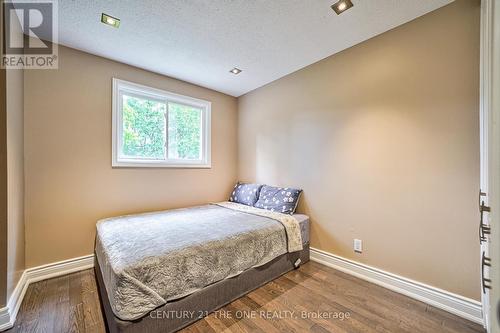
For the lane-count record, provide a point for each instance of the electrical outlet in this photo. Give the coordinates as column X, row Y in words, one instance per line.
column 358, row 245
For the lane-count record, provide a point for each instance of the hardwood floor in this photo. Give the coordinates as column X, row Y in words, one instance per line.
column 70, row 304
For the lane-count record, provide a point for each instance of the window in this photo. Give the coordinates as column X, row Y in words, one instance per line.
column 155, row 128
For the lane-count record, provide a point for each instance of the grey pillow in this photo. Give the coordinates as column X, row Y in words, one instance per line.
column 246, row 194
column 278, row 199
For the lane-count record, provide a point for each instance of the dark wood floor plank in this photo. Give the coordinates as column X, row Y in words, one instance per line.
column 304, row 300
column 214, row 323
column 30, row 310
column 70, row 304
column 335, row 300
column 387, row 305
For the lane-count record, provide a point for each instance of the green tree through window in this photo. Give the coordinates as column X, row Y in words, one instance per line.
column 143, row 128
column 144, row 132
column 184, row 132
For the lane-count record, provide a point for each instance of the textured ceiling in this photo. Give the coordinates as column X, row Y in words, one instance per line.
column 199, row 41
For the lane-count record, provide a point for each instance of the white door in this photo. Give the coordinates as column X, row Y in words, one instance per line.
column 484, row 202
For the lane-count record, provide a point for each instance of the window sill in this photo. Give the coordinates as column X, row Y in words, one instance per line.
column 127, row 164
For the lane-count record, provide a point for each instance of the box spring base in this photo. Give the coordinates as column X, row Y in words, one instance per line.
column 200, row 303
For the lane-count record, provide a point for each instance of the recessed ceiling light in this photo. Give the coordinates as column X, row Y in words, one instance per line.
column 110, row 20
column 341, row 6
column 235, row 70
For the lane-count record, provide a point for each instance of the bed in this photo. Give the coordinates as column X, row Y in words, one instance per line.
column 161, row 271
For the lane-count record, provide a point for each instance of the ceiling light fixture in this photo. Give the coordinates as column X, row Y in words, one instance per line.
column 235, row 71
column 341, row 6
column 110, row 20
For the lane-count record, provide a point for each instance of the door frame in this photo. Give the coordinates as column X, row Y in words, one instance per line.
column 490, row 147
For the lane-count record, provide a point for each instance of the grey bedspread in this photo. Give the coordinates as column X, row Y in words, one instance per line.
column 149, row 259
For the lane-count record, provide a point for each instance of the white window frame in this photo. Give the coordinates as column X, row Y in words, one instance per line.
column 118, row 160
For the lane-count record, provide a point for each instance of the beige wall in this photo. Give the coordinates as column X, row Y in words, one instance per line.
column 384, row 140
column 15, row 178
column 69, row 180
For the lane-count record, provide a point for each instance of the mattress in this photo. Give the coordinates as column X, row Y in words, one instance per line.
column 150, row 259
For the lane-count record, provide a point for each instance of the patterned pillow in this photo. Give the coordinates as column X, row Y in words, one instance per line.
column 278, row 199
column 246, row 194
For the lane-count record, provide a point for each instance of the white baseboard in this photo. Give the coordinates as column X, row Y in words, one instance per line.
column 14, row 303
column 8, row 314
column 55, row 269
column 461, row 306
column 5, row 322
